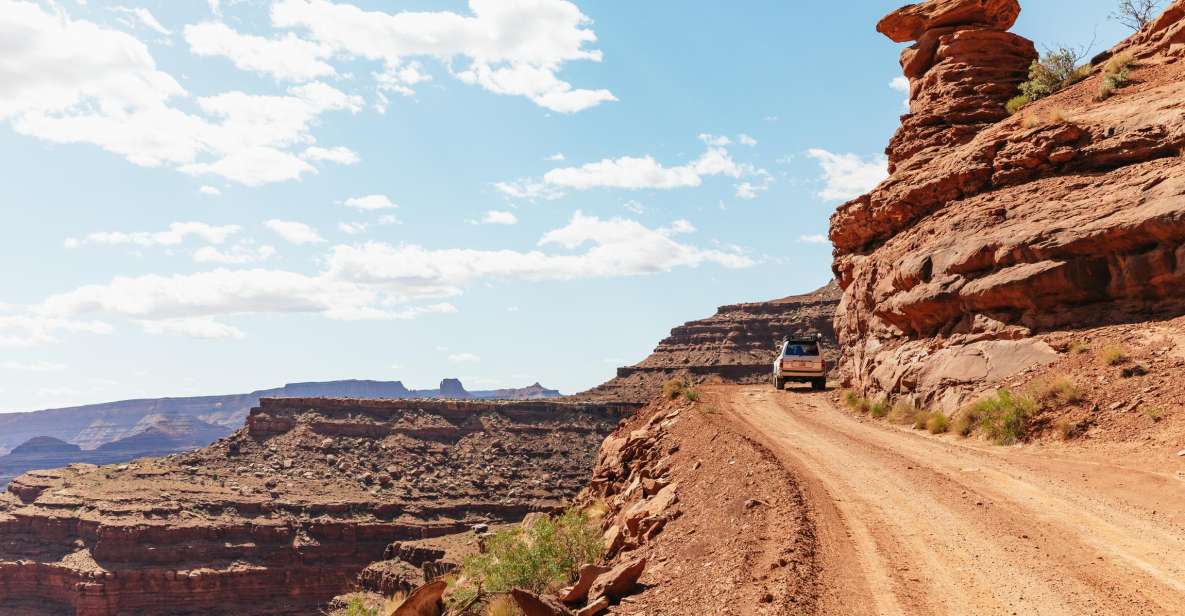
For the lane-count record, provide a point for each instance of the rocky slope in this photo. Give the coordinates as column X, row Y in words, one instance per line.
column 994, row 233
column 92, row 425
column 737, row 345
column 282, row 515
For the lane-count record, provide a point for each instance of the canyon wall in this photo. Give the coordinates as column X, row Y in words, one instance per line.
column 736, row 345
column 993, row 231
column 283, row 515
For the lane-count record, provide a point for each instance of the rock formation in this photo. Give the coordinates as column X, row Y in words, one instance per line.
column 284, row 514
column 737, row 344
column 993, row 231
column 206, row 418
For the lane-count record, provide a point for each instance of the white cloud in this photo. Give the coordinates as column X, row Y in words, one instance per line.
column 464, row 358
column 746, row 140
column 495, row 217
column 33, row 366
column 370, row 202
column 901, row 84
column 813, row 239
column 340, row 155
column 145, row 17
column 286, row 58
column 529, row 190
column 32, row 329
column 513, row 48
column 352, row 228
column 210, row 190
column 294, row 232
column 373, row 280
column 236, row 255
column 558, row 156
column 177, row 233
column 847, row 176
column 715, row 140
column 634, row 173
column 389, row 219
column 201, row 327
column 73, row 81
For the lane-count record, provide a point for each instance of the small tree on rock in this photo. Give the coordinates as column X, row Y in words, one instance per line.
column 1136, row 14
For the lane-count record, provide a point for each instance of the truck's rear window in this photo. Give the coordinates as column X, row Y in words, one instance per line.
column 798, row 349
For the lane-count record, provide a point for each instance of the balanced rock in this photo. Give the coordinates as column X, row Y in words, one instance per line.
column 908, row 23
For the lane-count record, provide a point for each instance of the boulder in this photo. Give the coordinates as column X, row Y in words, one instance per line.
column 908, row 23
column 652, row 507
column 423, row 601
column 535, row 605
column 594, row 608
column 578, row 592
column 618, row 581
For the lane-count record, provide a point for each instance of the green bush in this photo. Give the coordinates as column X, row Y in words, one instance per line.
column 1016, row 102
column 1056, row 69
column 852, row 399
column 691, row 395
column 878, row 409
column 541, row 559
column 1004, row 417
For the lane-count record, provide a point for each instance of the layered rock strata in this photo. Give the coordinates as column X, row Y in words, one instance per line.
column 285, row 513
column 985, row 239
column 737, row 345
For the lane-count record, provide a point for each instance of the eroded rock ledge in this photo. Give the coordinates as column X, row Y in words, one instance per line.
column 284, row 514
column 992, row 230
column 736, row 345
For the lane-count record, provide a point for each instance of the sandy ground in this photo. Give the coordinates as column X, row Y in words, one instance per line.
column 909, row 523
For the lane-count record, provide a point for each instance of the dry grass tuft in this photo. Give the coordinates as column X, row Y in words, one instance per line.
column 1113, row 355
column 1003, row 416
column 1078, row 347
column 879, row 409
column 502, row 605
column 1057, row 392
column 937, row 423
column 1155, row 413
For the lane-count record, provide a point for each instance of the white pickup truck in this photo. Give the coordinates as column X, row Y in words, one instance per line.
column 800, row 360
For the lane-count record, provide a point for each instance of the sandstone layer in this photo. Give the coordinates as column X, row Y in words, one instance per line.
column 284, row 514
column 993, row 231
column 736, row 345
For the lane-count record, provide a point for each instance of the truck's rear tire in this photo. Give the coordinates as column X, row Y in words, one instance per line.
column 818, row 384
column 779, row 383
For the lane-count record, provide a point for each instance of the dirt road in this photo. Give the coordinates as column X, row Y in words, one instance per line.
column 914, row 524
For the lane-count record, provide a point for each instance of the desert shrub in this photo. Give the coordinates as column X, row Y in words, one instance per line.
column 937, row 423
column 852, row 399
column 540, row 559
column 1016, row 102
column 1004, row 416
column 879, row 409
column 965, row 421
column 1155, row 413
column 1057, row 392
column 1065, row 428
column 1056, row 69
column 673, row 388
column 1078, row 347
column 356, row 606
column 903, row 413
column 691, row 395
column 1113, row 355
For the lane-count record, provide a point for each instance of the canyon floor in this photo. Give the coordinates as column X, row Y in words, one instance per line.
column 908, row 523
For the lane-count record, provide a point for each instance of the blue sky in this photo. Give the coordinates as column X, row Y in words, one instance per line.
column 213, row 197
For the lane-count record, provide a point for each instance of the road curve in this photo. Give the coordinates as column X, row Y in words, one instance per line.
column 913, row 524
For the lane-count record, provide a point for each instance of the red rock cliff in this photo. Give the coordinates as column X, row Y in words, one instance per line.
column 992, row 231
